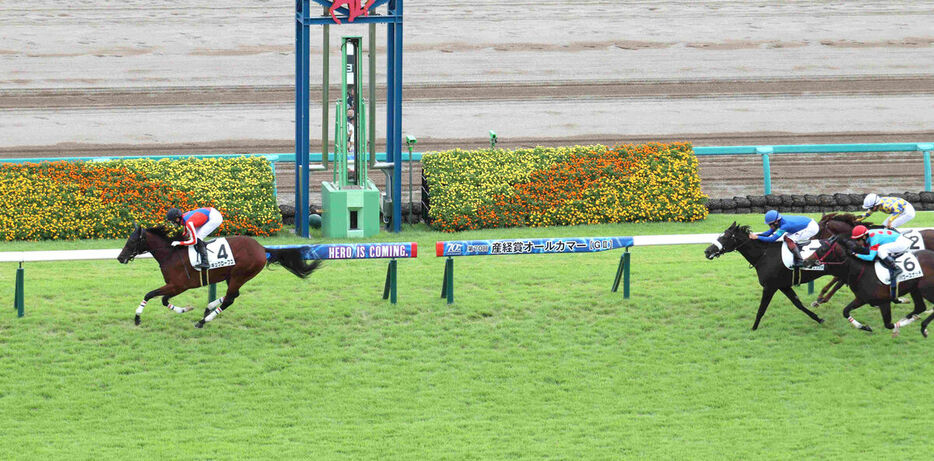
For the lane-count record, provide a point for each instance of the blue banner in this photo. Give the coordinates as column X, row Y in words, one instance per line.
column 530, row 246
column 355, row 250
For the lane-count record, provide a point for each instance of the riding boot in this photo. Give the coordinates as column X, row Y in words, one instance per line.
column 797, row 260
column 202, row 250
column 894, row 270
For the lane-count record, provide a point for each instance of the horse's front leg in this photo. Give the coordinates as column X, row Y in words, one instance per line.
column 167, row 291
column 767, row 293
column 174, row 308
column 886, row 309
column 793, row 297
column 827, row 292
column 846, row 314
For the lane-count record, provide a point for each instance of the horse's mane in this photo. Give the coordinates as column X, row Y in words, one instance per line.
column 160, row 231
column 848, row 218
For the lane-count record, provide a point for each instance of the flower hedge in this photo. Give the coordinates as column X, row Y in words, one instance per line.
column 79, row 200
column 563, row 186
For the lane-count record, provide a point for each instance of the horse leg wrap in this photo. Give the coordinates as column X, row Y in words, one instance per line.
column 855, row 322
column 906, row 321
column 176, row 309
column 216, row 302
column 142, row 305
column 213, row 314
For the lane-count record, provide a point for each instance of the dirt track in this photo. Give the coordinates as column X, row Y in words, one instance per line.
column 146, row 78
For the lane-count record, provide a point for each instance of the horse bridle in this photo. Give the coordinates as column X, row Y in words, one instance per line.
column 833, row 244
column 719, row 245
column 139, row 246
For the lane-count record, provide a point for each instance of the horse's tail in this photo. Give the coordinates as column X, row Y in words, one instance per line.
column 291, row 259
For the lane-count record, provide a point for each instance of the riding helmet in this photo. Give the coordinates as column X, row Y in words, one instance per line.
column 772, row 216
column 173, row 215
column 870, row 201
column 859, row 231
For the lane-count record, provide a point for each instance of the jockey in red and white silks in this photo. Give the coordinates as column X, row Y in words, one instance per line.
column 198, row 225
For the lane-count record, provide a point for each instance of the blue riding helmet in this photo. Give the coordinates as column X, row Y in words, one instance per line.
column 772, row 216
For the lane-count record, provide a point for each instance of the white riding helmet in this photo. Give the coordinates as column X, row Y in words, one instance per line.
column 870, row 201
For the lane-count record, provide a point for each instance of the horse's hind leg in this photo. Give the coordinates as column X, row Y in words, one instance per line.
column 827, row 292
column 913, row 315
column 793, row 297
column 213, row 310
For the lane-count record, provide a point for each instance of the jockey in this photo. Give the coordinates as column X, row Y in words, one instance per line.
column 900, row 210
column 198, row 225
column 882, row 244
column 794, row 229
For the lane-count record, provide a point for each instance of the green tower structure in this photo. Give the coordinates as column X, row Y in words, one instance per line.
column 351, row 201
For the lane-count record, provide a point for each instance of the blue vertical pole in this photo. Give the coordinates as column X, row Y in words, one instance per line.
column 302, row 76
column 766, row 168
column 397, row 115
column 391, row 98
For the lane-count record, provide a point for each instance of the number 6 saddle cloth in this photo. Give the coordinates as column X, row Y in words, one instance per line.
column 908, row 264
column 219, row 254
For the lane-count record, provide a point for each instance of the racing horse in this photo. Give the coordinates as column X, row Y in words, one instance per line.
column 766, row 258
column 833, row 254
column 179, row 276
column 843, row 223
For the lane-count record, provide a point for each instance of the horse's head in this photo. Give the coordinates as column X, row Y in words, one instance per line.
column 830, row 251
column 731, row 239
column 134, row 246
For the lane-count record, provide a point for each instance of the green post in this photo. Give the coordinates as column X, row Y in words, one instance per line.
column 389, row 289
column 212, row 293
column 447, row 287
column 19, row 298
column 492, row 139
column 927, row 148
column 626, row 274
column 811, row 287
column 766, row 167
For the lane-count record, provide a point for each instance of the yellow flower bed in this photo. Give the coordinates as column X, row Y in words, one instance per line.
column 79, row 200
column 563, row 186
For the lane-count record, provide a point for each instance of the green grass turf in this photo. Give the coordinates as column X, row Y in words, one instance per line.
column 536, row 359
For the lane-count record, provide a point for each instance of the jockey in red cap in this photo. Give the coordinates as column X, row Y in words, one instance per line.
column 198, row 225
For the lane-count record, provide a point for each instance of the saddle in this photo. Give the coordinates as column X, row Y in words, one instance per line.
column 788, row 257
column 907, row 262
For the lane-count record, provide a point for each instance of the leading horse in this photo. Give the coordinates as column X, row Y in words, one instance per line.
column 766, row 257
column 179, row 275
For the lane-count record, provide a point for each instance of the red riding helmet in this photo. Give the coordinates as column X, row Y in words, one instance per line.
column 859, row 231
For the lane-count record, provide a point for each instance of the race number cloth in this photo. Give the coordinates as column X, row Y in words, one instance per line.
column 355, row 250
column 219, row 254
column 917, row 241
column 909, row 265
column 530, row 246
column 806, row 250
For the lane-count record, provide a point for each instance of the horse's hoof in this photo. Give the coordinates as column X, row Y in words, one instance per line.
column 199, row 324
column 924, row 331
column 137, row 320
column 866, row 328
column 187, row 309
column 815, row 303
column 819, row 320
column 895, row 332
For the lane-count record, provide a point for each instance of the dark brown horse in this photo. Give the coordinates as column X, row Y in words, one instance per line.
column 766, row 258
column 180, row 276
column 860, row 276
column 842, row 224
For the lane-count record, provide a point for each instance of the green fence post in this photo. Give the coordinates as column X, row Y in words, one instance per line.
column 19, row 301
column 626, row 274
column 927, row 148
column 764, row 151
column 212, row 293
column 811, row 287
column 448, row 289
column 389, row 289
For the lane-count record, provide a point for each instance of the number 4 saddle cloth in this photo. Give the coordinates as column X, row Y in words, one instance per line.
column 219, row 254
column 908, row 264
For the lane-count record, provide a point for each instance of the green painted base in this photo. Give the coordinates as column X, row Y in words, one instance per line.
column 343, row 207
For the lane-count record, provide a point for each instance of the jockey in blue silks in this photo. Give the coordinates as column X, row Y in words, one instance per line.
column 794, row 229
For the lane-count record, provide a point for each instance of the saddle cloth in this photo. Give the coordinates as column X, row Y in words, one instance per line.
column 908, row 264
column 806, row 250
column 917, row 241
column 219, row 254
